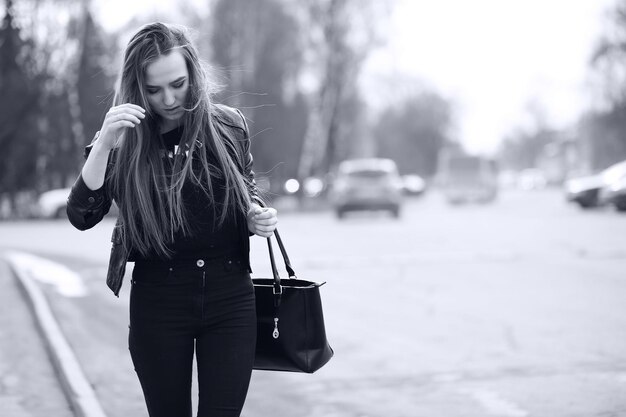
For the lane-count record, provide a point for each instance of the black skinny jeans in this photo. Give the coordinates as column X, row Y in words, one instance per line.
column 203, row 304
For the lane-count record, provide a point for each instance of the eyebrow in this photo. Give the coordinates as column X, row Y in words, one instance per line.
column 179, row 79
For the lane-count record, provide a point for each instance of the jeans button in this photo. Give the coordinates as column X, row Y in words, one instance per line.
column 200, row 263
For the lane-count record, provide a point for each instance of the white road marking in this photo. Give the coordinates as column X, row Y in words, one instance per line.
column 67, row 282
column 495, row 405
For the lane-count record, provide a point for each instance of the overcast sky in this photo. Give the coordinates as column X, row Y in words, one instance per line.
column 491, row 57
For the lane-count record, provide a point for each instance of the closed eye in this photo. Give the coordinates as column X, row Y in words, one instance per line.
column 178, row 83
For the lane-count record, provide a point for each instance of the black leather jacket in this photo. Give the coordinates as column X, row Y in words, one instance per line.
column 86, row 208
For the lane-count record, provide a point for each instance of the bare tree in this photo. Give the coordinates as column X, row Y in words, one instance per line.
column 609, row 56
column 603, row 132
column 257, row 44
column 20, row 89
column 341, row 33
column 238, row 32
column 413, row 131
column 68, row 55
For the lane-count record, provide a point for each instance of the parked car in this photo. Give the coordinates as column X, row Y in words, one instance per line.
column 52, row 204
column 585, row 191
column 413, row 185
column 532, row 179
column 614, row 194
column 367, row 184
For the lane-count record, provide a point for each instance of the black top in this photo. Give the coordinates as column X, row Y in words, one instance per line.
column 87, row 207
column 208, row 239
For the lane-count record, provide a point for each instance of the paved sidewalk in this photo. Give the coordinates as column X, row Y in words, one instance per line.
column 28, row 383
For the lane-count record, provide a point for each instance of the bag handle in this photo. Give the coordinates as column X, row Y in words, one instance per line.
column 278, row 289
column 283, row 252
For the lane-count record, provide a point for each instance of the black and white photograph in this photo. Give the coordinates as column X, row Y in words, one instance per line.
column 313, row 208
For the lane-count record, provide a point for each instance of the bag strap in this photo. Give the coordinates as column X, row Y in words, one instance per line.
column 278, row 289
column 283, row 252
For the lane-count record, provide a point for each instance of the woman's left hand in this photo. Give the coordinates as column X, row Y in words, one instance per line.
column 262, row 220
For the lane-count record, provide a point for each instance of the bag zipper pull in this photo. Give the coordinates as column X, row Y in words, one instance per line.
column 275, row 333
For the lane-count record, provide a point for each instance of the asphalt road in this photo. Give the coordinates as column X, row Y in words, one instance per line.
column 509, row 309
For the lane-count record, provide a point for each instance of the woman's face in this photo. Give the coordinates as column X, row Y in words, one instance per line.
column 167, row 83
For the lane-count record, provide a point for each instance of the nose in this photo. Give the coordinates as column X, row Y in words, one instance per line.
column 168, row 97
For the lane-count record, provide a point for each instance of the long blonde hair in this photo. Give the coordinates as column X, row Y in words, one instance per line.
column 150, row 201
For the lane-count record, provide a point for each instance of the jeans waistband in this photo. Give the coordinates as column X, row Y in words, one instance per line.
column 222, row 263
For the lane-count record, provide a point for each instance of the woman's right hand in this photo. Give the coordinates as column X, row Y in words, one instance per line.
column 117, row 119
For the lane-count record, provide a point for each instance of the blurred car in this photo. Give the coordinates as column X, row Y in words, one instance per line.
column 614, row 194
column 413, row 185
column 585, row 191
column 467, row 178
column 367, row 184
column 532, row 179
column 52, row 204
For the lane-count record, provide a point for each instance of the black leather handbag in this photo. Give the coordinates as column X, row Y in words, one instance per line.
column 291, row 335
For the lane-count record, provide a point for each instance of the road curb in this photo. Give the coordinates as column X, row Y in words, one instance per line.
column 74, row 384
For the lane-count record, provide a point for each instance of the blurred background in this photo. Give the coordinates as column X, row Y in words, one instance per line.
column 454, row 170
column 538, row 89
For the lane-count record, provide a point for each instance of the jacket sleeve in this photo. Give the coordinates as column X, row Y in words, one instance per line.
column 248, row 160
column 86, row 207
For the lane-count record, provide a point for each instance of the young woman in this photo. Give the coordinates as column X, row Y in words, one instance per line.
column 180, row 170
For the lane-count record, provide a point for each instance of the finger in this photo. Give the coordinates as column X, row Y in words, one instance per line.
column 131, row 106
column 125, row 116
column 266, row 222
column 116, row 112
column 265, row 229
column 122, row 123
column 253, row 213
column 265, row 215
column 127, row 108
